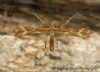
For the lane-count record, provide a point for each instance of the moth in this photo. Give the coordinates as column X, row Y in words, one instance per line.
column 53, row 30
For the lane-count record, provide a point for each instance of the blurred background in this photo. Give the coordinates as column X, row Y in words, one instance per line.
column 26, row 54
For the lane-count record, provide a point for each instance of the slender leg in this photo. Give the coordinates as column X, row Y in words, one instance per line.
column 46, row 48
column 57, row 41
column 46, row 41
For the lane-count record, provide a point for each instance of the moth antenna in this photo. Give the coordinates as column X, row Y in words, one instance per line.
column 40, row 19
column 69, row 19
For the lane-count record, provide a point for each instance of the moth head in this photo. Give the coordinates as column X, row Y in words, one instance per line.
column 52, row 25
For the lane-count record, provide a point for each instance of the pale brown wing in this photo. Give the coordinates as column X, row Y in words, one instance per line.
column 82, row 32
column 20, row 31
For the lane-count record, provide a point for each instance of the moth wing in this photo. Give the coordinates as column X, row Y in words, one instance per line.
column 20, row 31
column 82, row 32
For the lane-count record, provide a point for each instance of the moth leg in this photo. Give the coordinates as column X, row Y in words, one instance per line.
column 57, row 41
column 45, row 45
column 46, row 48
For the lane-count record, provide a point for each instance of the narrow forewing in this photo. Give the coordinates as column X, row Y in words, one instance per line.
column 82, row 32
column 20, row 31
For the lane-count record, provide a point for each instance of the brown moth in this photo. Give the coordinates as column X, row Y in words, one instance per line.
column 52, row 30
